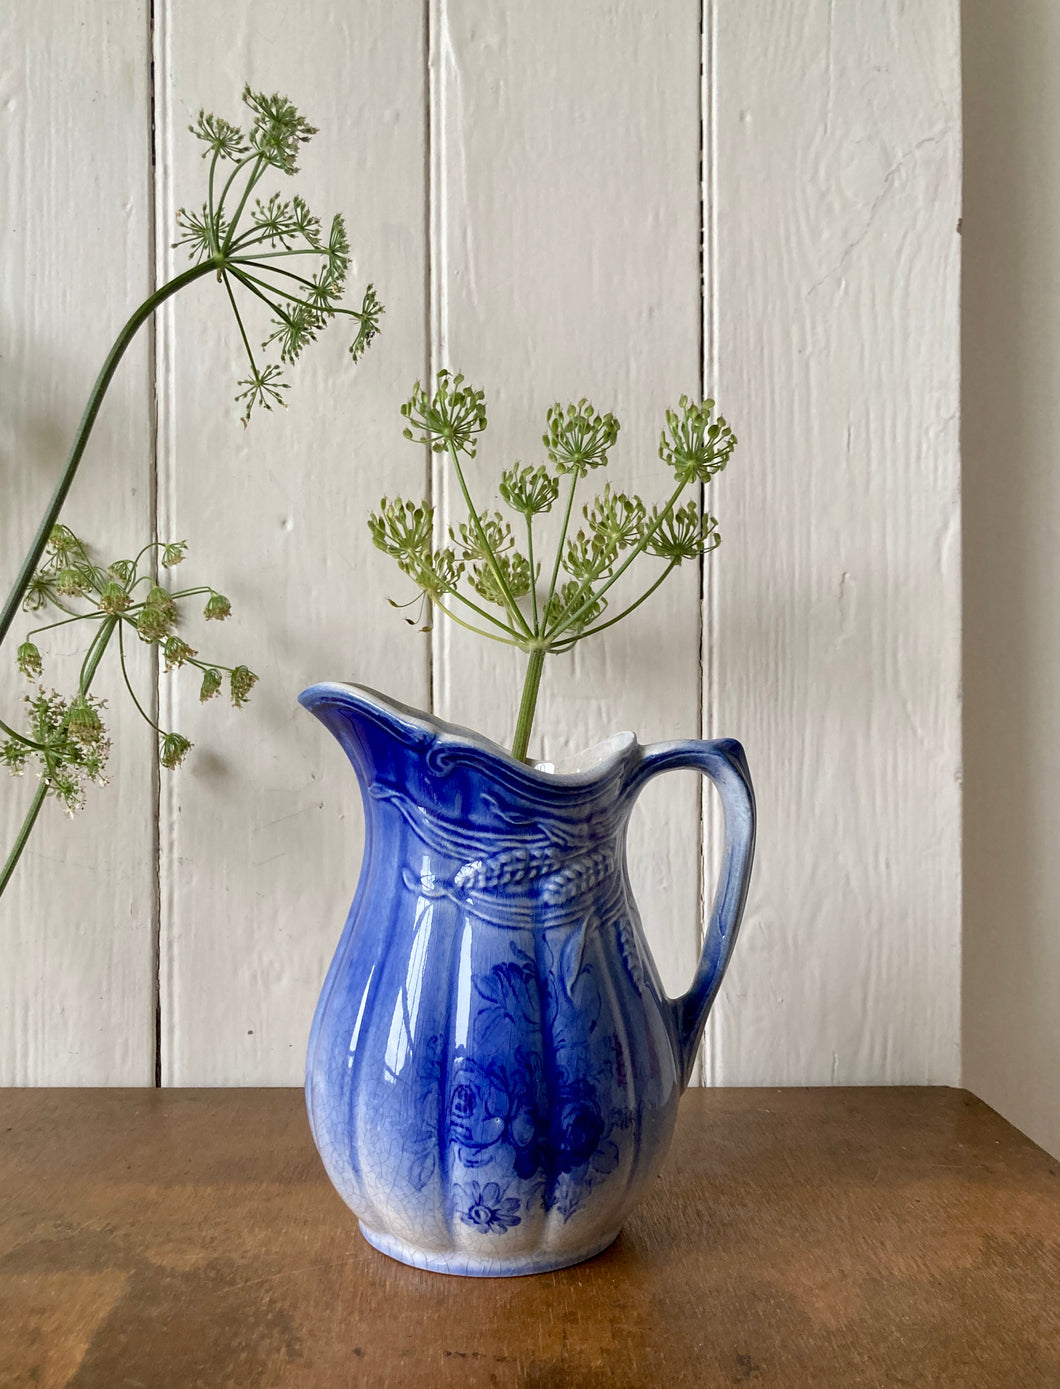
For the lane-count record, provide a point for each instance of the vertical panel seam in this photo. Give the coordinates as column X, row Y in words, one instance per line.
column 153, row 364
column 437, row 344
column 702, row 634
column 162, row 473
column 713, row 370
column 707, row 1070
column 428, row 288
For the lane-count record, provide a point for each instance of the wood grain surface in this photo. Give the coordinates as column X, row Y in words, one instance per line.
column 831, row 1238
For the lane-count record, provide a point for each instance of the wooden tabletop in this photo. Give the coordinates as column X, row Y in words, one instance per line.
column 170, row 1239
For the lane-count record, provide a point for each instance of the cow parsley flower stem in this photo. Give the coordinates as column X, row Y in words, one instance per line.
column 528, row 703
column 487, row 550
column 591, row 597
column 128, row 684
column 66, row 739
column 619, row 530
column 84, row 431
column 88, row 671
column 550, row 595
column 23, row 835
column 273, row 141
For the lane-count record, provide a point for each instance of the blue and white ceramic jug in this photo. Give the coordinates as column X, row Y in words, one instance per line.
column 494, row 1068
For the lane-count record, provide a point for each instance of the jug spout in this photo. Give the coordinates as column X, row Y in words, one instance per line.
column 389, row 741
column 365, row 722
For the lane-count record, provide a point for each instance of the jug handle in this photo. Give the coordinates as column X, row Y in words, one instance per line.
column 723, row 762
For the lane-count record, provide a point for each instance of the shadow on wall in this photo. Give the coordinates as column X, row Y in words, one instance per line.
column 1011, row 520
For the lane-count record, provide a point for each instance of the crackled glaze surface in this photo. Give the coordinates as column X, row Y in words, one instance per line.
column 494, row 1069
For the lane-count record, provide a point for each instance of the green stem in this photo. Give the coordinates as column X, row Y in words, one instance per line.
column 103, row 636
column 249, row 281
column 94, row 655
column 21, row 738
column 128, row 685
column 533, row 576
column 239, row 320
column 562, row 538
column 56, row 602
column 479, row 631
column 242, row 164
column 252, row 180
column 49, row 626
column 490, row 557
column 271, row 270
column 469, row 603
column 601, row 626
column 88, row 419
column 88, row 671
column 638, row 549
column 242, row 242
column 528, row 704
column 182, row 593
column 207, row 665
column 151, row 545
column 213, row 220
column 23, row 835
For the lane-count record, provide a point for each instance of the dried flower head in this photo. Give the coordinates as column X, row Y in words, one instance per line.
column 217, row 607
column 683, row 534
column 694, row 443
column 240, row 682
column 177, row 652
column 173, row 552
column 29, row 660
column 579, row 438
column 247, row 239
column 528, row 490
column 484, row 564
column 173, row 749
column 451, row 418
column 211, row 684
column 66, row 740
column 403, row 529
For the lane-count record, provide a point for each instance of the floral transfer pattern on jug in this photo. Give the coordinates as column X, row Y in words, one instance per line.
column 494, row 1069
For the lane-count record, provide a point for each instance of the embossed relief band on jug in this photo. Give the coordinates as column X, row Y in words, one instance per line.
column 494, row 1067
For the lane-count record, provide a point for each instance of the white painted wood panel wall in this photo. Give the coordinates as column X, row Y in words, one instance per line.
column 626, row 202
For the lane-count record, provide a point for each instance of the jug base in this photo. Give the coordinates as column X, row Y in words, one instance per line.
column 477, row 1265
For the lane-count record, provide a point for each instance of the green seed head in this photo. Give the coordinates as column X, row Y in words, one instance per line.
column 240, row 682
column 217, row 607
column 29, row 660
column 579, row 438
column 113, row 599
column 694, row 443
column 173, row 750
column 211, row 684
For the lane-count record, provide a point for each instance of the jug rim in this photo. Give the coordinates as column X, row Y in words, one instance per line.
column 591, row 765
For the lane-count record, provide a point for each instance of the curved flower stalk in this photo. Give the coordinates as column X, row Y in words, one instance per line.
column 65, row 740
column 485, row 582
column 260, row 248
column 271, row 252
